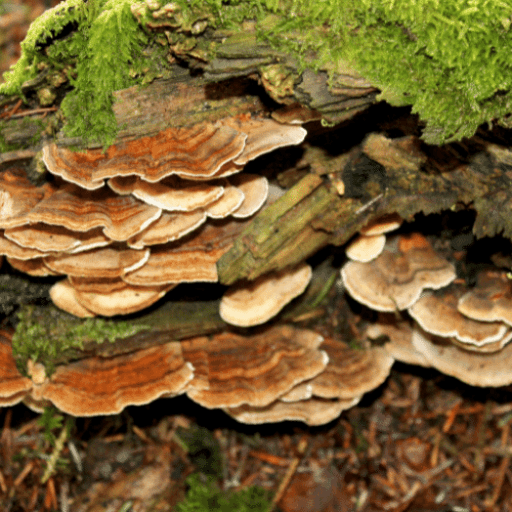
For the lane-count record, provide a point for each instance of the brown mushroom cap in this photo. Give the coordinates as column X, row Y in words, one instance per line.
column 196, row 151
column 188, row 261
column 382, row 225
column 258, row 301
column 121, row 217
column 97, row 386
column 172, row 194
column 13, row 386
column 256, row 369
column 350, row 373
column 104, row 262
column 365, row 248
column 121, row 301
column 47, row 238
column 490, row 300
column 474, row 368
column 395, row 280
column 255, row 190
column 17, row 197
column 168, row 228
column 228, row 203
column 399, row 333
column 437, row 314
column 265, row 135
column 13, row 250
column 63, row 296
column 35, row 267
column 315, row 411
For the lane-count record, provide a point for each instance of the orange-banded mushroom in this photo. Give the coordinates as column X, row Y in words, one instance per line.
column 13, row 386
column 258, row 301
column 17, row 197
column 47, row 238
column 96, row 386
column 350, row 373
column 202, row 151
column 396, row 278
column 254, row 370
column 191, row 260
column 121, row 217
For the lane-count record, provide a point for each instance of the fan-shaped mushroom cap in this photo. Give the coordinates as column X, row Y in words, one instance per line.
column 265, row 135
column 474, row 368
column 400, row 339
column 34, row 267
column 172, row 194
column 17, row 197
column 63, row 296
column 13, row 250
column 13, row 386
column 256, row 369
column 188, row 261
column 104, row 262
column 490, row 300
column 365, row 248
column 437, row 314
column 395, row 280
column 121, row 301
column 382, row 225
column 121, row 217
column 47, row 238
column 258, row 301
column 255, row 189
column 350, row 373
column 228, row 203
column 196, row 151
column 169, row 227
column 315, row 411
column 97, row 386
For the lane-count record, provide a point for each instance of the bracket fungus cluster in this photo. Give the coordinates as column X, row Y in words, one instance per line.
column 463, row 332
column 282, row 373
column 127, row 225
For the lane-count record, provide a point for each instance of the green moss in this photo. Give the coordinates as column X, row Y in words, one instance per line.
column 204, row 496
column 448, row 59
column 43, row 334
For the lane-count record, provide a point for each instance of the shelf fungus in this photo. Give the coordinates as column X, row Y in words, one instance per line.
column 397, row 277
column 372, row 238
column 437, row 314
column 256, row 378
column 490, row 300
column 256, row 302
column 491, row 369
column 147, row 214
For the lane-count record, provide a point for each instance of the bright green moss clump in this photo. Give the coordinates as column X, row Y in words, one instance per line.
column 104, row 53
column 449, row 59
column 43, row 334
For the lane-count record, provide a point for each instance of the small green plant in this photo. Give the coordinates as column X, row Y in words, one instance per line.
column 204, row 496
column 51, row 420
